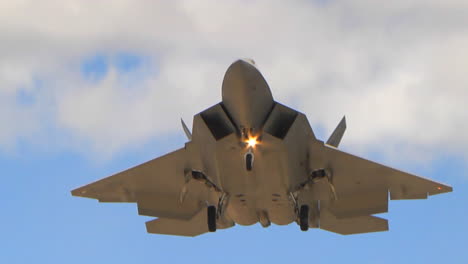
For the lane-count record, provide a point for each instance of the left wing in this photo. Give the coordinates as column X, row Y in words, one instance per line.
column 361, row 188
column 155, row 186
column 352, row 175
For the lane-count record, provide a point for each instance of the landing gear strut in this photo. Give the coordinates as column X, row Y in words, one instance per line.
column 304, row 217
column 249, row 160
column 211, row 212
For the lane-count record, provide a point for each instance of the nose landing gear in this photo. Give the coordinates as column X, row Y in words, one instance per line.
column 249, row 160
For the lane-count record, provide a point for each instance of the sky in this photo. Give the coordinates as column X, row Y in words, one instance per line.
column 88, row 89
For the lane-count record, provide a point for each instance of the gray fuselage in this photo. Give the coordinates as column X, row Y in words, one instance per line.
column 280, row 157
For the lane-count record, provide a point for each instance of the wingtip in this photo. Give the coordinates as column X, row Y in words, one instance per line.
column 80, row 192
column 441, row 188
column 77, row 192
column 447, row 189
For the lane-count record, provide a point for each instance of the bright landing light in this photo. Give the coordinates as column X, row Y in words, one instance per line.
column 252, row 141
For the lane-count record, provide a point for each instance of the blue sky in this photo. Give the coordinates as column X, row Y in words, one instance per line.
column 43, row 223
column 90, row 90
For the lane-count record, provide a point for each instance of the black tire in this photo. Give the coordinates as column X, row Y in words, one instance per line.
column 248, row 161
column 304, row 217
column 211, row 211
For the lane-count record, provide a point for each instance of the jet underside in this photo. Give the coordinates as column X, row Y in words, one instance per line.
column 280, row 163
column 251, row 159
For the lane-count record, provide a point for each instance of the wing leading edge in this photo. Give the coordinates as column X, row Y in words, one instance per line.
column 155, row 186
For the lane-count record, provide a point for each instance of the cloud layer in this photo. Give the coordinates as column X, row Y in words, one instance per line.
column 396, row 69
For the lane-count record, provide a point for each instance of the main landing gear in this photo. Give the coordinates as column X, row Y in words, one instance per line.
column 304, row 217
column 211, row 211
column 216, row 212
column 302, row 213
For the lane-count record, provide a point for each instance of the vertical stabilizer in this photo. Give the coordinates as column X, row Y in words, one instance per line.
column 186, row 130
column 337, row 134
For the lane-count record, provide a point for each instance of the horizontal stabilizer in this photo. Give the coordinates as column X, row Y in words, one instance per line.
column 354, row 225
column 197, row 225
column 168, row 226
column 337, row 134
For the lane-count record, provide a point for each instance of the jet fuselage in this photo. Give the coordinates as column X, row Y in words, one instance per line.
column 259, row 180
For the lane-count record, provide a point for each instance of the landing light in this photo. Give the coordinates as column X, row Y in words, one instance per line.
column 252, row 141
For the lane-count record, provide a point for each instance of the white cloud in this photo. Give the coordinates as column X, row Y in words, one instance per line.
column 396, row 69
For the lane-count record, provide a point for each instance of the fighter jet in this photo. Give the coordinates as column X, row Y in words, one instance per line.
column 250, row 159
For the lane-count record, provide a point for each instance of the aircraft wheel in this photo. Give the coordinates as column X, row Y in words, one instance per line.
column 304, row 217
column 211, row 211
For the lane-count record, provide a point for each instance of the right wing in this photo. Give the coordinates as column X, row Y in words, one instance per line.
column 155, row 186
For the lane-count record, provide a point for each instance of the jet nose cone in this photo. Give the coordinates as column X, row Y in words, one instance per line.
column 246, row 94
column 242, row 66
column 251, row 61
column 242, row 75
